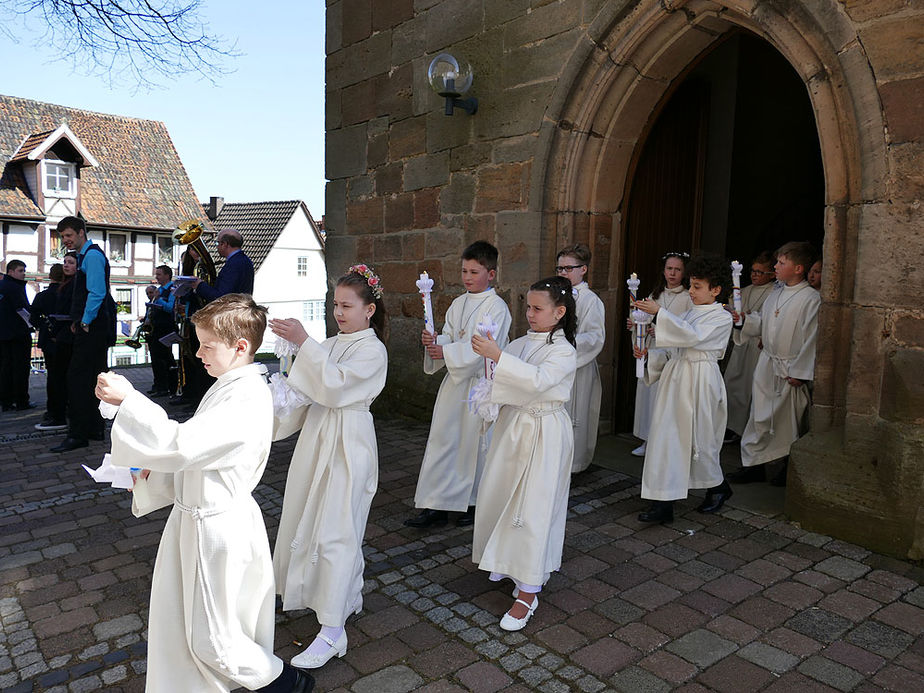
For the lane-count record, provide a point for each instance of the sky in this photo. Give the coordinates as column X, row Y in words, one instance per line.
column 255, row 135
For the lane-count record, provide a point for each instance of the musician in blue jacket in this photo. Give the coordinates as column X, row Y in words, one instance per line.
column 236, row 277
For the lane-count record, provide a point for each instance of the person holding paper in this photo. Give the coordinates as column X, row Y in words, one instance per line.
column 162, row 323
column 212, row 618
column 15, row 338
column 454, row 456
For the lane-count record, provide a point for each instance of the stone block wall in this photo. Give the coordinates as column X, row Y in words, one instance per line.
column 567, row 89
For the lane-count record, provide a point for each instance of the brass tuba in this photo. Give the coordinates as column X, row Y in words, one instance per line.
column 189, row 234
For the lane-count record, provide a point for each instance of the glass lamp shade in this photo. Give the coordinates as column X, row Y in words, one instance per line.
column 449, row 76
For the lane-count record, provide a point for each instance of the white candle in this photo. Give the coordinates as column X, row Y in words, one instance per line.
column 642, row 320
column 736, row 268
column 425, row 286
column 632, row 282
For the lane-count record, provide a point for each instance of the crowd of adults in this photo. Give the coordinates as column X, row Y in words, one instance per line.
column 75, row 321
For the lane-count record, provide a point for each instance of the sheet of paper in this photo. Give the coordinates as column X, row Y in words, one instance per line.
column 117, row 477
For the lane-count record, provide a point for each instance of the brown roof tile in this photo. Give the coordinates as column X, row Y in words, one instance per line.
column 140, row 182
column 260, row 223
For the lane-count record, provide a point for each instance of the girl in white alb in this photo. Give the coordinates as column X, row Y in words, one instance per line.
column 333, row 476
column 671, row 294
column 523, row 495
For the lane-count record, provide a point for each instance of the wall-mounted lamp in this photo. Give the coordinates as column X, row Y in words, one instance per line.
column 451, row 78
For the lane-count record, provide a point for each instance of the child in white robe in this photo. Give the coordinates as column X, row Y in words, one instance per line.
column 739, row 371
column 584, row 407
column 454, row 456
column 788, row 327
column 523, row 498
column 333, row 475
column 688, row 423
column 211, row 618
column 671, row 294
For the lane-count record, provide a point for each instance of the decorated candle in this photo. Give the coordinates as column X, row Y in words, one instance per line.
column 736, row 268
column 425, row 286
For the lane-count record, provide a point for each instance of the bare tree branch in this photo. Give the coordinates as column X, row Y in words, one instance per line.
column 144, row 42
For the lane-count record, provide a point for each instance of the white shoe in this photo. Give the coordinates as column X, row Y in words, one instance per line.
column 640, row 450
column 508, row 622
column 309, row 661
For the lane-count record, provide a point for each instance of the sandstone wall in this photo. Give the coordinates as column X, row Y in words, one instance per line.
column 567, row 89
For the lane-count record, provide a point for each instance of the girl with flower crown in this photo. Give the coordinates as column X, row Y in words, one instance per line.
column 523, row 494
column 333, row 476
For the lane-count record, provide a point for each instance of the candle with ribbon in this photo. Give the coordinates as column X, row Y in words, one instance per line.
column 425, row 286
column 736, row 268
column 642, row 321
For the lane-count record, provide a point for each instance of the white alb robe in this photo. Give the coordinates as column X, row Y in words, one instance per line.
column 523, row 498
column 454, row 458
column 739, row 372
column 584, row 407
column 333, row 475
column 212, row 618
column 677, row 301
column 688, row 423
column 777, row 408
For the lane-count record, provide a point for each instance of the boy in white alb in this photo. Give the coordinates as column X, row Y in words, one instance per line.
column 688, row 421
column 454, row 457
column 739, row 373
column 788, row 327
column 584, row 406
column 211, row 618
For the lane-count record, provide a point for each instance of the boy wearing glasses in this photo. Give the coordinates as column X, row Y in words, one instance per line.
column 584, row 407
column 739, row 373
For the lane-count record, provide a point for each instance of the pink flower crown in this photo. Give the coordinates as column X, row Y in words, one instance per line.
column 372, row 278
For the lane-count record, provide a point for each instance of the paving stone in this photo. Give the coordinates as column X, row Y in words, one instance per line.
column 733, row 674
column 819, row 581
column 907, row 617
column 772, row 658
column 701, row 647
column 395, row 679
column 605, row 657
column 863, row 661
column 641, row 636
column 670, row 667
column 849, row 605
column 879, row 638
column 896, row 678
column 733, row 629
column 483, row 677
column 732, row 588
column 619, row 611
column 117, row 626
column 836, row 675
column 842, row 568
column 636, row 680
column 649, row 596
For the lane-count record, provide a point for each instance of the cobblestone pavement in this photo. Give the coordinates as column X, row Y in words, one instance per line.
column 734, row 602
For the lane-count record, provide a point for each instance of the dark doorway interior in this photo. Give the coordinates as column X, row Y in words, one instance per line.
column 732, row 165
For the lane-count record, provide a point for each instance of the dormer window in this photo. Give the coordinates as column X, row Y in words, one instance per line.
column 60, row 178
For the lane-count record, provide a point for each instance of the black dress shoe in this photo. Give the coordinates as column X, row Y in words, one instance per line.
column 715, row 498
column 304, row 682
column 779, row 479
column 69, row 444
column 466, row 519
column 748, row 475
column 660, row 511
column 428, row 518
column 25, row 407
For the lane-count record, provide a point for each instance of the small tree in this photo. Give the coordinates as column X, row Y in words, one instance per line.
column 145, row 41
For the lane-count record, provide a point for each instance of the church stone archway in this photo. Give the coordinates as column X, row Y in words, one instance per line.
column 606, row 102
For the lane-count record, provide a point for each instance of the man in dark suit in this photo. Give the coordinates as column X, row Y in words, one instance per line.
column 236, row 277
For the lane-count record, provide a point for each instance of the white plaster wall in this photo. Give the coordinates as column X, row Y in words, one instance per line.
column 277, row 284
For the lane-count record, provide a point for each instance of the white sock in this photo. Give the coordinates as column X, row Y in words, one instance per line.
column 318, row 646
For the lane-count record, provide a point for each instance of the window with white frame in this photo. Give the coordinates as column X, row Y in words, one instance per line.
column 313, row 310
column 165, row 248
column 60, row 178
column 117, row 248
column 54, row 247
column 302, row 267
column 123, row 300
